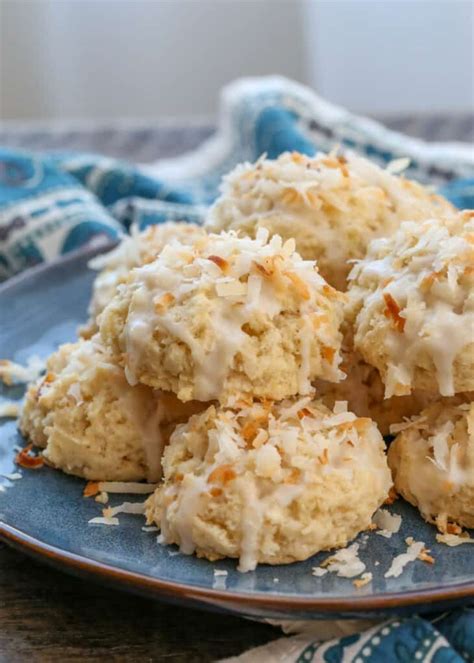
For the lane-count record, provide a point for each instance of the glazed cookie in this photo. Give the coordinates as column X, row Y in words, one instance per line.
column 33, row 416
column 269, row 482
column 93, row 424
column 432, row 460
column 412, row 299
column 333, row 206
column 364, row 392
column 137, row 249
column 230, row 315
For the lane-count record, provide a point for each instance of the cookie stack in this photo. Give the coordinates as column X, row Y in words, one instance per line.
column 412, row 298
column 223, row 365
column 265, row 473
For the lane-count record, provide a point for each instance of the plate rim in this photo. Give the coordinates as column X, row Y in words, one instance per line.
column 115, row 575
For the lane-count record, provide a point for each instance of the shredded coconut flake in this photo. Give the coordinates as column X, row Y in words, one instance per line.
column 400, row 561
column 363, row 580
column 220, row 580
column 318, row 571
column 13, row 373
column 102, row 520
column 10, row 409
column 339, row 407
column 440, row 445
column 150, row 528
column 14, row 476
column 75, row 391
column 387, row 522
column 125, row 507
column 405, row 425
column 454, row 539
column 345, row 563
column 232, row 288
column 219, row 572
column 338, row 419
column 397, row 166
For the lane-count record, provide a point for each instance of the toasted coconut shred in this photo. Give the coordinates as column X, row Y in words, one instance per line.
column 10, row 409
column 414, row 549
column 364, row 580
column 345, row 563
column 28, row 460
column 102, row 498
column 387, row 523
column 125, row 507
column 13, row 373
column 454, row 539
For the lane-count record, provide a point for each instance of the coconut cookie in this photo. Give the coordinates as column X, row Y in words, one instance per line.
column 364, row 392
column 137, row 249
column 432, row 461
column 92, row 423
column 413, row 302
column 269, row 482
column 230, row 315
column 34, row 415
column 333, row 206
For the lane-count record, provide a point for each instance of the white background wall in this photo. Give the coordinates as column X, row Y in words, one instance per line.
column 65, row 59
column 393, row 55
column 123, row 58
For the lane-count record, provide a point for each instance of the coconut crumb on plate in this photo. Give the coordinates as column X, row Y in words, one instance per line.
column 424, row 556
column 388, row 523
column 14, row 476
column 125, row 507
column 220, row 579
column 318, row 572
column 414, row 548
column 345, row 563
column 102, row 520
column 363, row 580
column 10, row 409
column 454, row 539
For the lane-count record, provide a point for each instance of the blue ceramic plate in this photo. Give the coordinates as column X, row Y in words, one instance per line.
column 45, row 515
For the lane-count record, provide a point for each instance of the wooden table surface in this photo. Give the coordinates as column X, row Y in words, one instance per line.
column 48, row 616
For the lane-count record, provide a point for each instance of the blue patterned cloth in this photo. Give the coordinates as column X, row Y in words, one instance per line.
column 51, row 204
column 448, row 638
